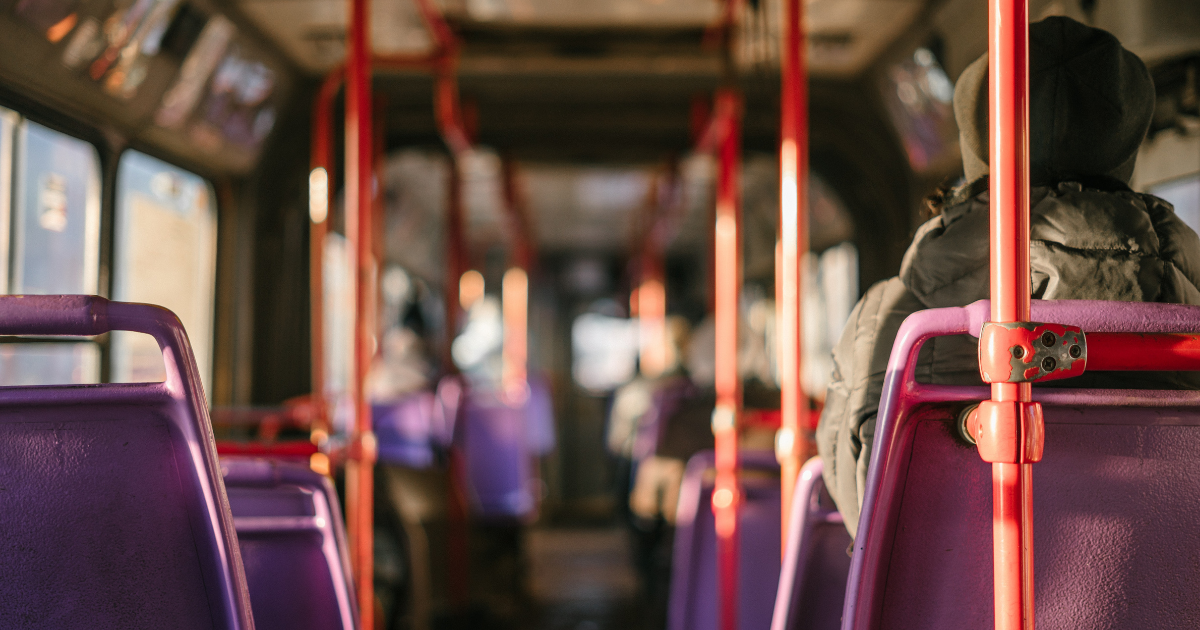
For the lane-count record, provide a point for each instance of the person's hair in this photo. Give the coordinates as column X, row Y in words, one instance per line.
column 937, row 199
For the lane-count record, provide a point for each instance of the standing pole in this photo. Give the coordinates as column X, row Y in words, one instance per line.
column 515, row 291
column 727, row 254
column 1012, row 483
column 359, row 214
column 320, row 187
column 651, row 294
column 793, row 241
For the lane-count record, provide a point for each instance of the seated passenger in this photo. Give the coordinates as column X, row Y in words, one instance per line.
column 1091, row 103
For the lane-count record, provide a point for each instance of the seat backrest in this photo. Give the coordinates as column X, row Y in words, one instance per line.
column 539, row 416
column 405, row 430
column 812, row 580
column 1115, row 497
column 113, row 511
column 498, row 460
column 666, row 399
column 293, row 543
column 693, row 603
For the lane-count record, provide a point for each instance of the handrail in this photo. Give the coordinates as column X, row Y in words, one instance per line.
column 793, row 243
column 722, row 135
column 358, row 226
column 1012, row 481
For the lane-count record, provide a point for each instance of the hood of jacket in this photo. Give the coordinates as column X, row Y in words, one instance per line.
column 1091, row 102
column 1085, row 243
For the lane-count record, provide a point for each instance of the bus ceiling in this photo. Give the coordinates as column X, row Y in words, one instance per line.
column 553, row 80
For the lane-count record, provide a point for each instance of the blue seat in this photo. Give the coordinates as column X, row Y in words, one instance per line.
column 113, row 512
column 293, row 544
column 693, row 604
column 812, row 581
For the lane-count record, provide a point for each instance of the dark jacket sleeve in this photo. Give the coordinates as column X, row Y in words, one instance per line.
column 847, row 425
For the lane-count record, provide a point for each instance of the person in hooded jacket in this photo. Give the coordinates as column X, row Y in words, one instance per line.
column 1091, row 236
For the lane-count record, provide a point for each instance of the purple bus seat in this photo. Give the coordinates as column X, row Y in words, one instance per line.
column 113, row 511
column 1116, row 496
column 539, row 416
column 293, row 543
column 448, row 399
column 665, row 402
column 812, row 581
column 693, row 603
column 497, row 456
column 405, row 430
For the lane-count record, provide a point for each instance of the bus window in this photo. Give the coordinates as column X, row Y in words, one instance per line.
column 1184, row 194
column 56, row 242
column 8, row 125
column 164, row 253
column 53, row 227
column 49, row 363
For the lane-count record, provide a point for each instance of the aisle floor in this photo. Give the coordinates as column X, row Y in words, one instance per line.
column 583, row 579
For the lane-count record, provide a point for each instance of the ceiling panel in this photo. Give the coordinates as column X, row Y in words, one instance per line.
column 527, row 35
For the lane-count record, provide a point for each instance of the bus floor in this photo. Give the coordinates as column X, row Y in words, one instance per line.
column 557, row 574
column 584, row 579
column 549, row 578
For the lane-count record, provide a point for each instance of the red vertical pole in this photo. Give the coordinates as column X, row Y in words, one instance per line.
column 727, row 287
column 1012, row 484
column 515, row 291
column 793, row 241
column 320, row 189
column 359, row 214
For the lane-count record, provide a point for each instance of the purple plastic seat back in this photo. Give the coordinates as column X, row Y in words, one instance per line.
column 293, row 543
column 812, row 581
column 405, row 430
column 113, row 511
column 693, row 604
column 497, row 456
column 665, row 401
column 539, row 416
column 1116, row 496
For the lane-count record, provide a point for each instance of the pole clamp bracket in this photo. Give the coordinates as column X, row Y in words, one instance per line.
column 364, row 447
column 1008, row 432
column 1024, row 352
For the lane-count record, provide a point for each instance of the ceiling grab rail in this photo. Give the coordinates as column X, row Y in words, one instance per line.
column 453, row 130
column 321, row 188
column 793, row 245
column 1009, row 427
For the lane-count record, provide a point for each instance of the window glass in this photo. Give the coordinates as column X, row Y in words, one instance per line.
column 604, row 351
column 8, row 126
column 918, row 99
column 49, row 363
column 56, row 232
column 338, row 304
column 1184, row 194
column 165, row 254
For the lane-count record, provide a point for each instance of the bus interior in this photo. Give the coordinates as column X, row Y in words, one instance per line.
column 530, row 303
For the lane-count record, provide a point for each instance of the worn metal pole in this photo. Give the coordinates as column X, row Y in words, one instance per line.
column 359, row 214
column 1012, row 483
column 726, row 291
column 793, row 241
